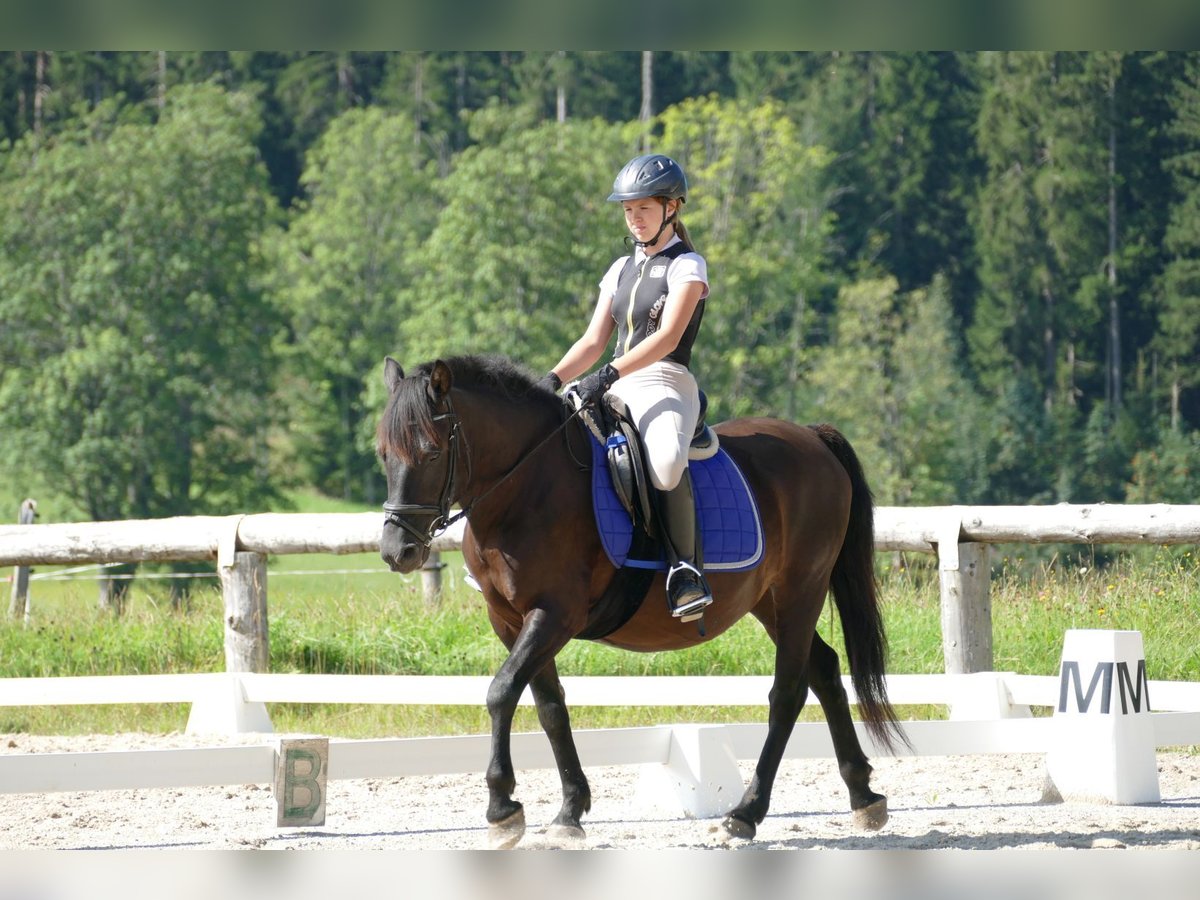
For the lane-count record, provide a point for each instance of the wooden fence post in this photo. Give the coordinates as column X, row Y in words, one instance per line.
column 966, row 609
column 113, row 591
column 244, row 587
column 18, row 606
column 431, row 578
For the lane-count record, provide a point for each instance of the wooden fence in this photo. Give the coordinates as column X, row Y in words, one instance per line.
column 959, row 535
column 17, row 608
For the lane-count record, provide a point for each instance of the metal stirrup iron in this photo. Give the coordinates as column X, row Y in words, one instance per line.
column 687, row 591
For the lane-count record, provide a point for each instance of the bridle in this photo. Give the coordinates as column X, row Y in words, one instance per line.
column 395, row 513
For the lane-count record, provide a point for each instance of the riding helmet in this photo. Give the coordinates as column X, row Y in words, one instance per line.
column 650, row 175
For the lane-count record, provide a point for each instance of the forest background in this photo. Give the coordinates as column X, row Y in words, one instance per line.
column 983, row 267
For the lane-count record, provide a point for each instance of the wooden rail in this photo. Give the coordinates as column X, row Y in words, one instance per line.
column 959, row 535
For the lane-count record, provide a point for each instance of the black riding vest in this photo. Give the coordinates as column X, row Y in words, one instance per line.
column 637, row 305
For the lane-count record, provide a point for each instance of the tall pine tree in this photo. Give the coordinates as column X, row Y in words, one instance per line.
column 1179, row 311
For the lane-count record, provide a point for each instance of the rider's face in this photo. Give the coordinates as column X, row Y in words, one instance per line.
column 644, row 216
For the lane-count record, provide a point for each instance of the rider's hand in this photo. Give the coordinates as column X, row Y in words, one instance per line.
column 550, row 382
column 594, row 386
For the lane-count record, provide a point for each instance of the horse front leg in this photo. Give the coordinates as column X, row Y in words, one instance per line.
column 541, row 637
column 556, row 722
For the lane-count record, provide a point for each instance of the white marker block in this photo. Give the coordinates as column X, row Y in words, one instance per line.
column 301, row 766
column 1103, row 747
column 700, row 776
column 220, row 707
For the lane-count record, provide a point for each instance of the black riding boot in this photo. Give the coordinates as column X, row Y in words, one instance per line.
column 687, row 591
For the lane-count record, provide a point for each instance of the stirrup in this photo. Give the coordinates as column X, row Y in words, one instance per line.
column 696, row 600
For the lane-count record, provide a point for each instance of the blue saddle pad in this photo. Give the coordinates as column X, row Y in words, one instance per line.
column 730, row 525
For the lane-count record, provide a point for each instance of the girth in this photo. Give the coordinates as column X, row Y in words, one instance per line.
column 622, row 598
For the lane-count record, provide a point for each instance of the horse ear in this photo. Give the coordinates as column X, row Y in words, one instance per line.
column 392, row 374
column 440, row 381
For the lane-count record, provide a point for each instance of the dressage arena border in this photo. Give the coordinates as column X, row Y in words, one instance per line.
column 990, row 712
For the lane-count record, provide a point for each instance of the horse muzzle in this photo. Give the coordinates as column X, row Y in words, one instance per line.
column 401, row 555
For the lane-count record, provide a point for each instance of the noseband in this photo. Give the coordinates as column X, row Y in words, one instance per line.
column 394, row 513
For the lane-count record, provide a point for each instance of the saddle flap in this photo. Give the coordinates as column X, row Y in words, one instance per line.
column 620, row 467
column 626, row 463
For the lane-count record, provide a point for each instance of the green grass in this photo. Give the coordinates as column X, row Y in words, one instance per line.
column 376, row 622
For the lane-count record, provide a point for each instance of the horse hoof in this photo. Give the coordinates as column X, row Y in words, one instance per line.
column 873, row 817
column 507, row 833
column 566, row 835
column 738, row 829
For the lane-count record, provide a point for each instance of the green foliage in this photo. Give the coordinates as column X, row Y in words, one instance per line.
column 338, row 270
column 1167, row 472
column 905, row 165
column 514, row 259
column 890, row 379
column 1035, row 211
column 1179, row 319
column 136, row 353
column 1023, row 288
column 751, row 175
column 1111, row 438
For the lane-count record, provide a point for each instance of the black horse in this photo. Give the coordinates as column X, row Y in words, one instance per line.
column 477, row 432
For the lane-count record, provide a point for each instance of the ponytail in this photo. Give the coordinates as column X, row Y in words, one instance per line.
column 683, row 235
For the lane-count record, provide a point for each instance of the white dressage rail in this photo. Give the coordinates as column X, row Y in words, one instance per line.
column 989, row 714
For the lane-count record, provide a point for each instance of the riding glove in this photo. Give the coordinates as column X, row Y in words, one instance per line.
column 550, row 382
column 594, row 386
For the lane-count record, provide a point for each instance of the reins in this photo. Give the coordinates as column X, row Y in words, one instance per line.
column 394, row 512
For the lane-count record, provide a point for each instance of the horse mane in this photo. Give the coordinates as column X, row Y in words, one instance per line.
column 407, row 421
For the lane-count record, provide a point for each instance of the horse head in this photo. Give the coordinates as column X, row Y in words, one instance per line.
column 418, row 444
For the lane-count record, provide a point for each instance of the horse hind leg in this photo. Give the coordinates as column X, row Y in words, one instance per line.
column 556, row 722
column 869, row 808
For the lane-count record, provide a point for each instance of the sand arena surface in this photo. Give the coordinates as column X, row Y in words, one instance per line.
column 962, row 803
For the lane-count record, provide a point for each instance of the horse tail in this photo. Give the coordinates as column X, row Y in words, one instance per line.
column 855, row 593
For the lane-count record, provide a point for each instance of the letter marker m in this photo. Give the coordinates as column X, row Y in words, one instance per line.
column 1103, row 746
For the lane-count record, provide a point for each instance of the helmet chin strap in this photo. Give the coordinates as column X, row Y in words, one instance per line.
column 667, row 220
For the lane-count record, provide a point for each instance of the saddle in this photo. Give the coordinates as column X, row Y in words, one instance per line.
column 612, row 427
column 730, row 525
column 622, row 496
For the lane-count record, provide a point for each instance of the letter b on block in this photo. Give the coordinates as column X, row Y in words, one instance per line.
column 1103, row 739
column 300, row 778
